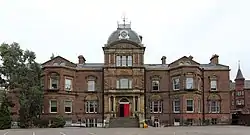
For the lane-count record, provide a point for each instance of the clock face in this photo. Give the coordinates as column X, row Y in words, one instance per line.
column 124, row 34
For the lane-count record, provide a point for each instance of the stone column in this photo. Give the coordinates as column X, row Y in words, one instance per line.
column 109, row 104
column 138, row 104
column 133, row 105
column 114, row 107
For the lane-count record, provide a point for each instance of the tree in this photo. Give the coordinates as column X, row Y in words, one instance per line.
column 22, row 75
column 5, row 114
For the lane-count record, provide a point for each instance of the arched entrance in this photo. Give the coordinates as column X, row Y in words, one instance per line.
column 124, row 107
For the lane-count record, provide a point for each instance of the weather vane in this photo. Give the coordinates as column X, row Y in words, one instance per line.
column 239, row 64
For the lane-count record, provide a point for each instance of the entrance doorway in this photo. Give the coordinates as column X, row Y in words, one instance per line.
column 124, row 107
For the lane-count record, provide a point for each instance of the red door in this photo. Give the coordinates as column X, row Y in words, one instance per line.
column 126, row 110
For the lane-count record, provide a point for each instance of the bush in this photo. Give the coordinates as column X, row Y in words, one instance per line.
column 5, row 115
column 42, row 123
column 58, row 122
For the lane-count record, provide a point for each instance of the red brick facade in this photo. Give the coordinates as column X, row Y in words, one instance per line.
column 158, row 92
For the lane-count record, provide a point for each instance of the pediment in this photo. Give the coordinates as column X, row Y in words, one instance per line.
column 185, row 61
column 57, row 61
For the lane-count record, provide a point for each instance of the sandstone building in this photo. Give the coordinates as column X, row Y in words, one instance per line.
column 180, row 92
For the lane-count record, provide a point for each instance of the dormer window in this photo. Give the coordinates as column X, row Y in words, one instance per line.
column 54, row 81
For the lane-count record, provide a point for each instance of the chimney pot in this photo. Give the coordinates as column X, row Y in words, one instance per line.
column 81, row 59
column 214, row 59
column 163, row 59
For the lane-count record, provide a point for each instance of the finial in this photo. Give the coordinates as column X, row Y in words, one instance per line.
column 124, row 19
column 238, row 64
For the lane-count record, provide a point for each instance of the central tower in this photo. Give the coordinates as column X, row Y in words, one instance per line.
column 124, row 72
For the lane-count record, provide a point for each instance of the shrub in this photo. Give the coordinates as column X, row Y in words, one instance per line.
column 42, row 123
column 58, row 122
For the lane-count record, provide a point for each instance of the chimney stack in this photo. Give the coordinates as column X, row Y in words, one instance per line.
column 214, row 59
column 163, row 59
column 81, row 59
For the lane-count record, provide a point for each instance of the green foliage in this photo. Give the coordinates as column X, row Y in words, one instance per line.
column 22, row 74
column 58, row 122
column 5, row 115
column 42, row 123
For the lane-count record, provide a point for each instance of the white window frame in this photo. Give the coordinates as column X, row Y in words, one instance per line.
column 174, row 106
column 213, row 85
column 176, row 84
column 189, row 106
column 124, row 60
column 129, row 61
column 159, row 106
column 88, row 104
column 157, row 82
column 88, row 122
column 119, row 84
column 217, row 106
column 68, row 87
column 50, row 84
column 51, row 106
column 91, row 85
column 65, row 105
column 191, row 83
column 118, row 61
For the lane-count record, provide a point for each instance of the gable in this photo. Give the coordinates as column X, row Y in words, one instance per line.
column 184, row 61
column 58, row 60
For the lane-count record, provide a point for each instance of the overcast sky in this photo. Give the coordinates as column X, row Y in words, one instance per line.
column 173, row 28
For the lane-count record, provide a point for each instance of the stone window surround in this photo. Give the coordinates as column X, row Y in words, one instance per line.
column 71, row 85
column 93, row 79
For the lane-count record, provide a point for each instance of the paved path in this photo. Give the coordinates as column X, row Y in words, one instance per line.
column 207, row 130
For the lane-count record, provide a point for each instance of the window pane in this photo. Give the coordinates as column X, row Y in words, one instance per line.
column 130, row 60
column 124, row 61
column 54, row 83
column 117, row 84
column 118, row 60
column 176, row 84
column 91, row 85
column 130, row 84
column 190, row 105
column 155, row 85
column 68, row 84
column 176, row 106
column 189, row 83
column 124, row 83
column 213, row 85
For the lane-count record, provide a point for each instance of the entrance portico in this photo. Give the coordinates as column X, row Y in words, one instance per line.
column 124, row 106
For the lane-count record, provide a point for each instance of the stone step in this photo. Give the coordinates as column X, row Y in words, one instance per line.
column 125, row 122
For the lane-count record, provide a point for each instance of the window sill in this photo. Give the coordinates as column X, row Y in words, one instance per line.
column 68, row 90
column 155, row 112
column 189, row 111
column 91, row 112
column 53, row 112
column 176, row 89
column 68, row 112
column 176, row 111
column 53, row 89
